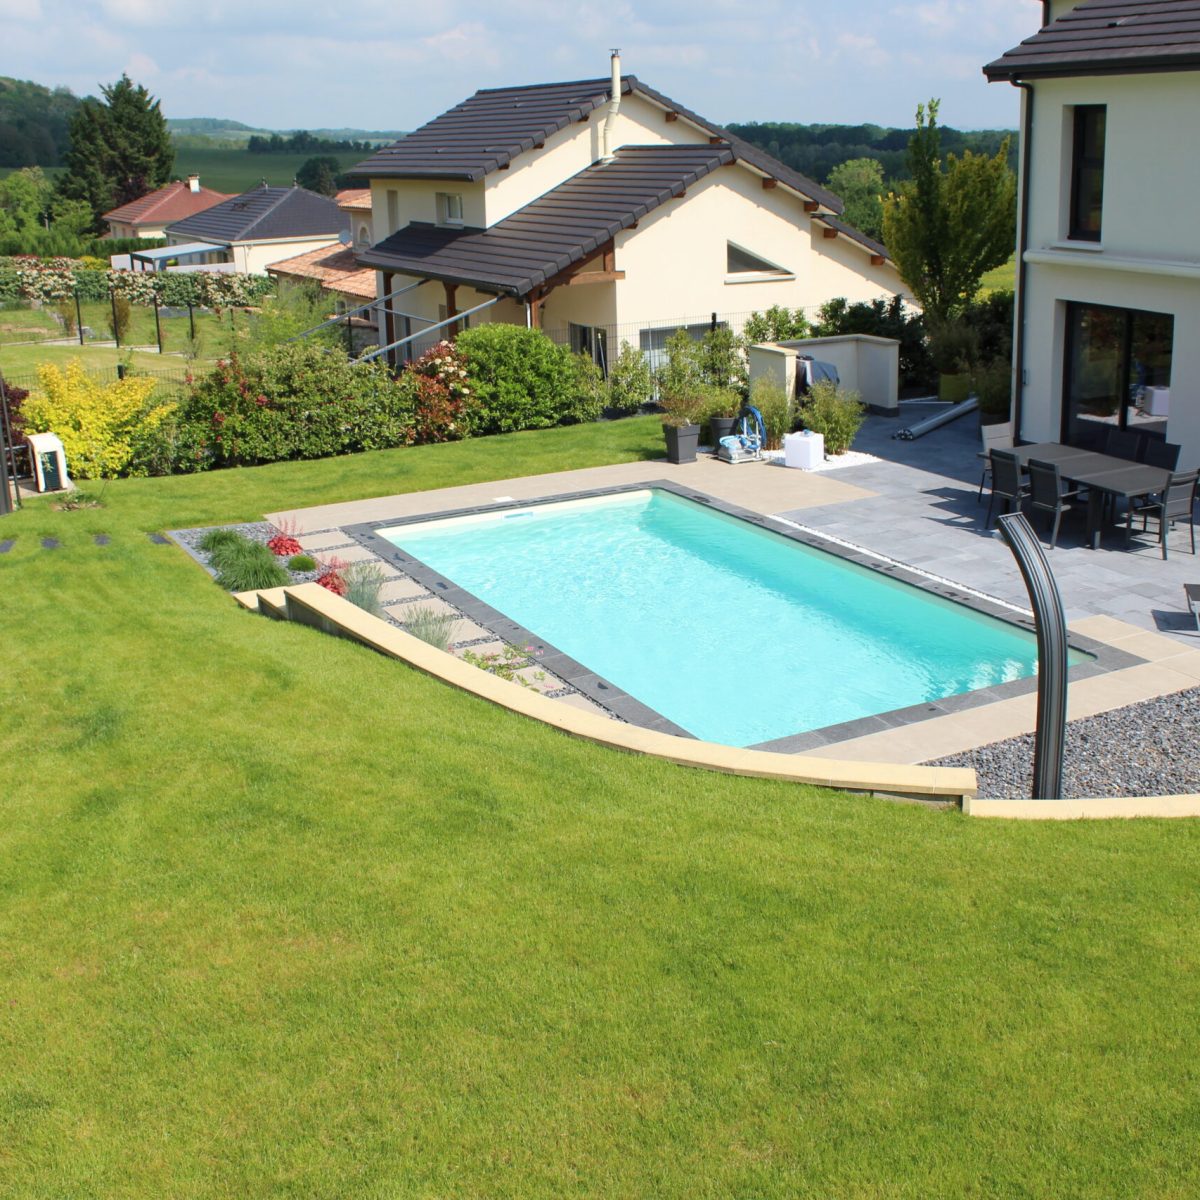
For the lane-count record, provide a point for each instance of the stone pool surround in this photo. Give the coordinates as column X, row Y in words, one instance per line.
column 1104, row 657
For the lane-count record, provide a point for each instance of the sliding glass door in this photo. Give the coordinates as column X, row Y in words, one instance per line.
column 1113, row 356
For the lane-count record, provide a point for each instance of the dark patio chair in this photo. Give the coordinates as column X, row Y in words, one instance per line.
column 1161, row 454
column 1007, row 484
column 1177, row 503
column 995, row 437
column 1046, row 494
column 1124, row 443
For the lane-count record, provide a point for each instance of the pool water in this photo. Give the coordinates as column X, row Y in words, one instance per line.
column 737, row 634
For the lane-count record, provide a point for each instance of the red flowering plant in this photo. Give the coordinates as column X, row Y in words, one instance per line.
column 443, row 400
column 285, row 543
column 333, row 575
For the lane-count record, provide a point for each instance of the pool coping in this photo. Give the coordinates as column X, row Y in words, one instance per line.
column 1104, row 657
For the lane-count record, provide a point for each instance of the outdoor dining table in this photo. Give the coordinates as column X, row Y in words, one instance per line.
column 1102, row 474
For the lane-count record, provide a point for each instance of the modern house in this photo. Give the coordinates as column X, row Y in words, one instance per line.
column 249, row 232
column 1108, row 283
column 149, row 215
column 601, row 210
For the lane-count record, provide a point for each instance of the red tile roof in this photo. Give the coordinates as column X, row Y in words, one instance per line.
column 170, row 203
column 355, row 198
column 334, row 267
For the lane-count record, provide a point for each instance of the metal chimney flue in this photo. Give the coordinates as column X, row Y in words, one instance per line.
column 614, row 107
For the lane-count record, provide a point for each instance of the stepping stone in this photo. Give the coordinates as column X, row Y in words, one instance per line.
column 49, row 543
column 101, row 539
column 158, row 539
column 7, row 545
column 322, row 541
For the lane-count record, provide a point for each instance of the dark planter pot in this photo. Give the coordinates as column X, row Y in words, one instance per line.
column 682, row 441
column 721, row 427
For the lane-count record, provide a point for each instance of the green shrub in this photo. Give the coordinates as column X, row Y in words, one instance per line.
column 777, row 324
column 590, row 392
column 993, row 387
column 718, row 402
column 119, row 318
column 216, row 539
column 432, row 627
column 681, row 374
column 883, row 318
column 836, row 414
column 722, row 359
column 630, row 382
column 519, row 377
column 302, row 563
column 363, row 583
column 247, row 566
column 776, row 407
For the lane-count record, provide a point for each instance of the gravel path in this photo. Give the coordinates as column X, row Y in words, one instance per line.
column 1147, row 749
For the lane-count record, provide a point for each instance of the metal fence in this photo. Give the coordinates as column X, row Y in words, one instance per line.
column 167, row 377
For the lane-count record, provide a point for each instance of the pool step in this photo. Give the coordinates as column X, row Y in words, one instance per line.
column 271, row 602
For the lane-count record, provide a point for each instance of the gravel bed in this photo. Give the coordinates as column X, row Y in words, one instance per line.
column 1147, row 749
column 256, row 531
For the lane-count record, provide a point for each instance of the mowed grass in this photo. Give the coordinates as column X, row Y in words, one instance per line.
column 281, row 917
column 1000, row 279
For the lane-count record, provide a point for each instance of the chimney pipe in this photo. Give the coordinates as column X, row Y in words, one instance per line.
column 614, row 106
column 193, row 182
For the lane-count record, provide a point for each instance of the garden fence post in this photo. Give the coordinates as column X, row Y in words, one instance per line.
column 112, row 299
column 157, row 324
column 349, row 339
column 78, row 317
column 192, row 321
column 7, row 456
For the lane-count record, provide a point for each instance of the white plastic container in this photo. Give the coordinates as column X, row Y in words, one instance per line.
column 804, row 450
column 1156, row 401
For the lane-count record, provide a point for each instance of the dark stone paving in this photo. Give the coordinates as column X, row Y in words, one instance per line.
column 926, row 513
column 7, row 544
column 49, row 543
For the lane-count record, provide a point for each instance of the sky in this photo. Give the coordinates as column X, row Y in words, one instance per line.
column 394, row 64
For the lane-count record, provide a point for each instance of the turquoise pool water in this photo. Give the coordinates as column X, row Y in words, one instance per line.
column 735, row 633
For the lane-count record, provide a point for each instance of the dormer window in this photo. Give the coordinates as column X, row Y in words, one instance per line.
column 450, row 208
column 1087, row 174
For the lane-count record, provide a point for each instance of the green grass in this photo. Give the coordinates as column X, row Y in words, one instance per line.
column 233, row 170
column 283, row 917
column 1000, row 278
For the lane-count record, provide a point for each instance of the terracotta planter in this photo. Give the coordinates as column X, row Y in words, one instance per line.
column 682, row 441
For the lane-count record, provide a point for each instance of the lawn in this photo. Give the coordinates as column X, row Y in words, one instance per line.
column 1000, row 278
column 282, row 917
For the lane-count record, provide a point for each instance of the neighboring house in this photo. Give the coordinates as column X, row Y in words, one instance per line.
column 149, row 216
column 356, row 204
column 263, row 226
column 1108, row 285
column 598, row 220
column 337, row 271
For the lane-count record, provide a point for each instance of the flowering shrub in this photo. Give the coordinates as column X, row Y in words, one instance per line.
column 135, row 286
column 441, row 395
column 284, row 545
column 333, row 576
column 103, row 426
column 47, row 280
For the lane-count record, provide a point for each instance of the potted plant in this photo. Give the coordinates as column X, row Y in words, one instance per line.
column 721, row 410
column 954, row 348
column 993, row 389
column 681, row 425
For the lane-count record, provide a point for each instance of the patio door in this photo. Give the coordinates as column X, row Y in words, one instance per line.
column 1112, row 356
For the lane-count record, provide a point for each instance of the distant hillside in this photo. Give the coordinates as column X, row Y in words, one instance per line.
column 33, row 123
column 213, row 130
column 814, row 150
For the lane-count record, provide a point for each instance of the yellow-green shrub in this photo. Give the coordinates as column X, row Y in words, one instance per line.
column 102, row 425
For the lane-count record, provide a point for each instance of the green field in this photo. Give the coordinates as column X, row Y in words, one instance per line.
column 1000, row 278
column 282, row 917
column 239, row 171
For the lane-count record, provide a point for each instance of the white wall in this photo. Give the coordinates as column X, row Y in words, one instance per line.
column 254, row 258
column 417, row 201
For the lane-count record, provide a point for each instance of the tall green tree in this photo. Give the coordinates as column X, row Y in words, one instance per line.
column 24, row 201
column 953, row 222
column 859, row 183
column 319, row 174
column 120, row 148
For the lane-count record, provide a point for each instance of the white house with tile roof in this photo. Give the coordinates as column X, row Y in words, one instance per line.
column 597, row 220
column 1108, row 284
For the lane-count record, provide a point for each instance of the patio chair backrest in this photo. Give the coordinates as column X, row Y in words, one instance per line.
column 997, row 437
column 1045, row 484
column 1006, row 473
column 1179, row 495
column 1124, row 443
column 1161, row 454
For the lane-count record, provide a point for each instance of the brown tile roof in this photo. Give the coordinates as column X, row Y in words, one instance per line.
column 1108, row 37
column 336, row 269
column 170, row 203
column 354, row 198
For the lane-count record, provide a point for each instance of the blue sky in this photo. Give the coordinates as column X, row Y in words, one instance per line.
column 396, row 63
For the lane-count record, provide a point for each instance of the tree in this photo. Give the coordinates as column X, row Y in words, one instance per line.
column 859, row 183
column 952, row 223
column 120, row 149
column 24, row 199
column 319, row 174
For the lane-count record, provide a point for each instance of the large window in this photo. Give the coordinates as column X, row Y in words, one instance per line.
column 1113, row 355
column 1087, row 174
column 591, row 340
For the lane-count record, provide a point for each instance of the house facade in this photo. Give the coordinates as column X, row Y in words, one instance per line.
column 1108, row 284
column 601, row 221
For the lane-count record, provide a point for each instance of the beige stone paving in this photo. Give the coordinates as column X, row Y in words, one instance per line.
column 402, row 589
column 321, row 541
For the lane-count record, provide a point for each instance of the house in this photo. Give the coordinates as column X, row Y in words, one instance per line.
column 263, row 226
column 348, row 286
column 148, row 216
column 1108, row 284
column 600, row 210
column 356, row 204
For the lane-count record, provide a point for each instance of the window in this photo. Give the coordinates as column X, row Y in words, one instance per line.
column 1087, row 173
column 653, row 342
column 1113, row 355
column 591, row 340
column 393, row 201
column 364, row 238
column 450, row 208
column 739, row 261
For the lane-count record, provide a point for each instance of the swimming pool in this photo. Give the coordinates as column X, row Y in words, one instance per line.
column 735, row 633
